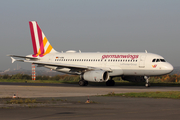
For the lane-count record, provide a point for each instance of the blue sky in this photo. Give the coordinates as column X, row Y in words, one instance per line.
column 92, row 25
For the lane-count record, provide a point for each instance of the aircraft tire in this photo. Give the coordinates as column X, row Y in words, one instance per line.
column 86, row 83
column 147, row 85
column 81, row 83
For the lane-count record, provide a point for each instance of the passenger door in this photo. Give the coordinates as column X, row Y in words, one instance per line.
column 142, row 61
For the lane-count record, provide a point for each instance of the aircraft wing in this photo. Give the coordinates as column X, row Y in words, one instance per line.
column 57, row 65
column 70, row 66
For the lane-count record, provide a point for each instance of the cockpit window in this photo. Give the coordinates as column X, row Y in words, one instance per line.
column 154, row 60
column 158, row 60
column 162, row 60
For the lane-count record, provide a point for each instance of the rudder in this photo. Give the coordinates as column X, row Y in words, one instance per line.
column 41, row 45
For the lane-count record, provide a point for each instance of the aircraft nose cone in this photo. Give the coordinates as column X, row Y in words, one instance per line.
column 169, row 68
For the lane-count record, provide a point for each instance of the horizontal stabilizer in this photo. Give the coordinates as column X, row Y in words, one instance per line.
column 32, row 58
column 13, row 60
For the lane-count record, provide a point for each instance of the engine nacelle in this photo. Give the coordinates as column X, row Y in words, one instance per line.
column 134, row 78
column 96, row 76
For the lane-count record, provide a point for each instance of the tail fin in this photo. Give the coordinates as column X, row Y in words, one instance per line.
column 41, row 45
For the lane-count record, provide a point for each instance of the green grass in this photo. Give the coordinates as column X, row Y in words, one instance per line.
column 36, row 81
column 169, row 94
column 21, row 101
column 118, row 83
column 126, row 83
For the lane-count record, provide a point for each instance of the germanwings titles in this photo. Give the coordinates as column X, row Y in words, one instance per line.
column 94, row 67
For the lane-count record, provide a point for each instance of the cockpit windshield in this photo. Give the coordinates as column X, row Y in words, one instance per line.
column 162, row 60
column 158, row 60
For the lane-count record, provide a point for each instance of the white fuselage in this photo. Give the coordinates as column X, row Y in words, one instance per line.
column 94, row 67
column 130, row 64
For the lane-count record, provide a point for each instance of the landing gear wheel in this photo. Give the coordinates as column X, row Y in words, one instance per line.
column 110, row 83
column 83, row 83
column 86, row 83
column 147, row 85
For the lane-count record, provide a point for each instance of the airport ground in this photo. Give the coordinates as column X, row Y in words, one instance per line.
column 67, row 101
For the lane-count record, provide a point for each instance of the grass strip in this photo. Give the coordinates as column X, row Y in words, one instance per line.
column 36, row 81
column 21, row 101
column 118, row 83
column 157, row 94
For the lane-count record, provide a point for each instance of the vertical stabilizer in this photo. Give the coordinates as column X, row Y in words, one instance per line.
column 41, row 45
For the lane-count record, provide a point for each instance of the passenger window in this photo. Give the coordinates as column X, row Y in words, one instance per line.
column 154, row 60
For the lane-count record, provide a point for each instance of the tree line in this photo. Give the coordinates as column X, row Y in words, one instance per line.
column 41, row 77
column 65, row 77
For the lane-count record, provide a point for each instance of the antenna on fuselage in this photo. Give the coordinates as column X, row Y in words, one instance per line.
column 146, row 51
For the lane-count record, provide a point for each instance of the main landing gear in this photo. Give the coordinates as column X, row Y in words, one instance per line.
column 83, row 83
column 147, row 84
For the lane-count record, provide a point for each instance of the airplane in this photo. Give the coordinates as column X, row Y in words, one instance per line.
column 94, row 66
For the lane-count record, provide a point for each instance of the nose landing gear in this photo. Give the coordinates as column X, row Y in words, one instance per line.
column 147, row 84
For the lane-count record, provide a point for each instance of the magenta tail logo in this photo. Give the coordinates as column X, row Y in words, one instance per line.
column 41, row 45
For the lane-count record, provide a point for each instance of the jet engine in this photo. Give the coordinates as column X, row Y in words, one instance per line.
column 96, row 76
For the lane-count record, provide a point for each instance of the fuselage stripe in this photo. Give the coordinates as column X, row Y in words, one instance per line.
column 48, row 49
column 33, row 37
column 40, row 40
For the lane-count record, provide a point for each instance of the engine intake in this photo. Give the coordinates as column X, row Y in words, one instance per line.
column 96, row 76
